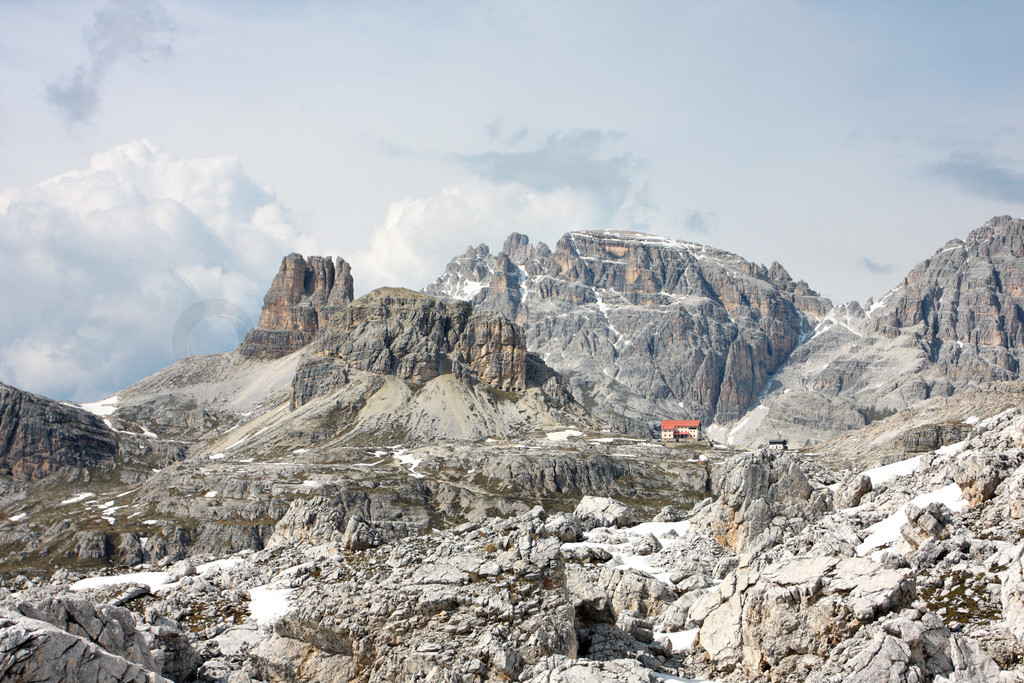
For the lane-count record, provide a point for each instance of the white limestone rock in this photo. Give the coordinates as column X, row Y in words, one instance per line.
column 1012, row 598
column 599, row 511
column 33, row 650
column 757, row 618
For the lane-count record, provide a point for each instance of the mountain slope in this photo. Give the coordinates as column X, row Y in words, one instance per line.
column 394, row 369
column 956, row 321
column 392, row 365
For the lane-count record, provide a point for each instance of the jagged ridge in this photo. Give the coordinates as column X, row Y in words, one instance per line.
column 955, row 322
column 676, row 327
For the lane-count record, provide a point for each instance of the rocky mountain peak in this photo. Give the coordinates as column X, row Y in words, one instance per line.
column 954, row 322
column 679, row 328
column 415, row 337
column 296, row 305
column 966, row 302
column 518, row 248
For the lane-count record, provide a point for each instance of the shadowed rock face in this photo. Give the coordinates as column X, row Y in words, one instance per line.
column 39, row 436
column 414, row 337
column 296, row 306
column 688, row 327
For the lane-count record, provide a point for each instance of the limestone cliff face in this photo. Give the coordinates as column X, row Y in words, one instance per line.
column 683, row 328
column 495, row 349
column 39, row 436
column 966, row 303
column 296, row 305
column 414, row 337
column 956, row 321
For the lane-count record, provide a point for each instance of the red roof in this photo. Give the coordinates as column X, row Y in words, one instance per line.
column 676, row 424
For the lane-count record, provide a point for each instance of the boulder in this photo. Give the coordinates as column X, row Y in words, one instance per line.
column 564, row 527
column 980, row 474
column 35, row 650
column 360, row 534
column 931, row 522
column 758, row 618
column 603, row 597
column 598, row 511
column 850, row 491
column 646, row 545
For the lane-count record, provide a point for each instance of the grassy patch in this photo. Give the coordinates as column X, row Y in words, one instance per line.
column 874, row 413
column 502, row 396
column 967, row 600
column 199, row 616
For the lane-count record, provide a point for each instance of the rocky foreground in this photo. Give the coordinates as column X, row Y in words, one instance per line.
column 787, row 572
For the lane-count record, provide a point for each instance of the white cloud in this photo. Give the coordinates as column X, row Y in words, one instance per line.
column 420, row 236
column 123, row 28
column 97, row 264
column 584, row 179
column 585, row 160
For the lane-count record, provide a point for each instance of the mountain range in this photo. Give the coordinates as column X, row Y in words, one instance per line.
column 446, row 484
column 645, row 328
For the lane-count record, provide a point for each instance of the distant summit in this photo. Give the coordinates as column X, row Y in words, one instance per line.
column 644, row 327
column 296, row 305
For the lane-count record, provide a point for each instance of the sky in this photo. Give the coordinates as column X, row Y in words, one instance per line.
column 160, row 158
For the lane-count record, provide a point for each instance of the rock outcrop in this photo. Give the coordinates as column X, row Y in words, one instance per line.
column 929, row 437
column 297, row 304
column 34, row 650
column 416, row 338
column 758, row 619
column 441, row 604
column 69, row 638
column 39, row 436
column 109, row 627
column 349, row 518
column 909, row 646
column 762, row 497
